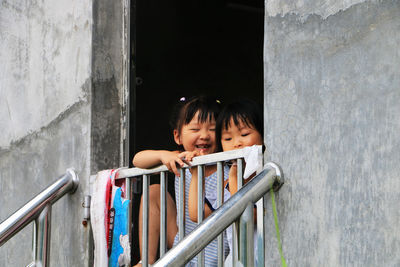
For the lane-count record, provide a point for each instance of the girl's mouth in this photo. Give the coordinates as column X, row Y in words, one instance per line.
column 203, row 146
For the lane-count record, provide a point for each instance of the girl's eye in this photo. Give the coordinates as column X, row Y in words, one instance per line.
column 227, row 139
column 245, row 134
column 212, row 129
column 194, row 129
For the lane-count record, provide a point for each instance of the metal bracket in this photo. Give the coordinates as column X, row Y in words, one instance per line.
column 279, row 175
column 86, row 209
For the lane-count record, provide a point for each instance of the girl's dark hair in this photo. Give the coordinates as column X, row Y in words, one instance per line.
column 184, row 111
column 246, row 111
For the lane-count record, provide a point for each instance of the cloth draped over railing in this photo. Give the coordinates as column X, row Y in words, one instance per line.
column 237, row 210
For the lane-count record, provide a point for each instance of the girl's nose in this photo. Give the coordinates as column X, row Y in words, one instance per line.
column 237, row 143
column 204, row 134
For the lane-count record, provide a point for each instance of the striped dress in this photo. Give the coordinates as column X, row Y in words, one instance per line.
column 210, row 255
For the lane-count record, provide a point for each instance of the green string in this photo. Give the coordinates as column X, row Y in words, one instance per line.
column 278, row 235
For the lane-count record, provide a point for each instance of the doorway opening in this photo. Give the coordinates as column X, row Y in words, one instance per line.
column 187, row 48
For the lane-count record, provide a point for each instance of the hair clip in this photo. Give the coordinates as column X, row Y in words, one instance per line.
column 182, row 99
column 219, row 102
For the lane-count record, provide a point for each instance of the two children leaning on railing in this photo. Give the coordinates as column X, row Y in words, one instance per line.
column 199, row 128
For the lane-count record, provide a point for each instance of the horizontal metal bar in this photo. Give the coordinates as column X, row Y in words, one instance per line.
column 31, row 210
column 220, row 219
column 200, row 160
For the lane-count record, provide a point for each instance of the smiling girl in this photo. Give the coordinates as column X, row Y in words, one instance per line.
column 193, row 124
column 240, row 124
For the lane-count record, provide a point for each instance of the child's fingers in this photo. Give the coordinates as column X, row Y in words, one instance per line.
column 173, row 168
column 185, row 157
column 180, row 162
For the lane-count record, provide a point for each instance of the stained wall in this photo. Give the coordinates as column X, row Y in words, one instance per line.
column 332, row 94
column 60, row 107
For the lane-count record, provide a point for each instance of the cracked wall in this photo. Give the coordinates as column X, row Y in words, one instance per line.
column 332, row 77
column 60, row 107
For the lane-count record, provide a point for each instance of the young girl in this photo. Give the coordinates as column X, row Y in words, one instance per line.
column 240, row 124
column 193, row 124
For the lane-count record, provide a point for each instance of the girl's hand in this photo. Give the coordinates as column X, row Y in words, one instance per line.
column 171, row 159
column 188, row 156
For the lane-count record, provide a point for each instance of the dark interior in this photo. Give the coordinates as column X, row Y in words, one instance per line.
column 187, row 48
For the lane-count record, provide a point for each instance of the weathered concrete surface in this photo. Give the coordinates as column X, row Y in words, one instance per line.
column 45, row 51
column 332, row 105
column 107, row 81
column 60, row 87
column 30, row 166
column 61, row 79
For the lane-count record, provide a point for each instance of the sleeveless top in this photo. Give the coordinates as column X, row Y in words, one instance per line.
column 210, row 192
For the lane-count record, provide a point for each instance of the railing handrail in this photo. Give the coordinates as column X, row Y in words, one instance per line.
column 224, row 216
column 200, row 160
column 68, row 182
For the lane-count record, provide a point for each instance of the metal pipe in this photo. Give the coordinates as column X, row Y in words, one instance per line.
column 261, row 213
column 200, row 207
column 220, row 219
column 220, row 200
column 68, row 182
column 145, row 221
column 246, row 236
column 163, row 214
column 236, row 233
column 181, row 211
column 239, row 174
column 129, row 196
column 260, row 238
column 43, row 225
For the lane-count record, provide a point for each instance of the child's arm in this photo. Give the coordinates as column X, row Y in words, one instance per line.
column 192, row 203
column 151, row 158
column 233, row 184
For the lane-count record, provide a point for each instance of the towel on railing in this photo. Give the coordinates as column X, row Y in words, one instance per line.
column 253, row 164
column 109, row 213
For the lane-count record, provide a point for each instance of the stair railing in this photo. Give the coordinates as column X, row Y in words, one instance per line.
column 39, row 210
column 243, row 246
column 233, row 209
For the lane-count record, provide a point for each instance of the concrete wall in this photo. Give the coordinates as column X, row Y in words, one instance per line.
column 60, row 83
column 332, row 105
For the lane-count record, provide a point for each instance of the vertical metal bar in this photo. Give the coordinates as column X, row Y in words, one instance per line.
column 260, row 253
column 242, row 239
column 246, row 236
column 260, row 233
column 239, row 173
column 181, row 212
column 145, row 221
column 235, row 243
column 238, row 226
column 163, row 214
column 128, row 195
column 200, row 207
column 220, row 200
column 250, row 234
column 34, row 240
column 43, row 225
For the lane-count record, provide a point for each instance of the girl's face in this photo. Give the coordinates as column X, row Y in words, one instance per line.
column 197, row 135
column 236, row 137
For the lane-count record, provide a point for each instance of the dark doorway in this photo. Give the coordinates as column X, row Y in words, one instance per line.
column 186, row 48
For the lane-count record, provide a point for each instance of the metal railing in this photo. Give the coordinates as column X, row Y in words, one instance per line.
column 236, row 206
column 223, row 217
column 39, row 210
